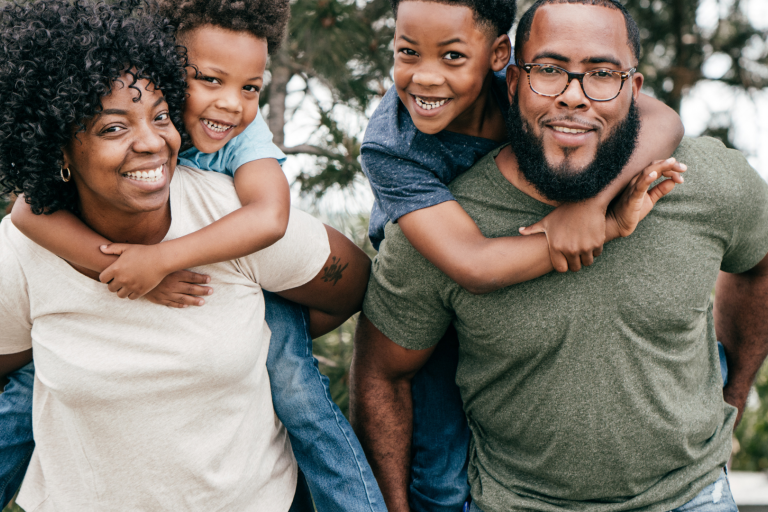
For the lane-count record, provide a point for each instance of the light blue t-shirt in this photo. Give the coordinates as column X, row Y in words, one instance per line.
column 254, row 143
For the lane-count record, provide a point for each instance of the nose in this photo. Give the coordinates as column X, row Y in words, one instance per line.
column 147, row 139
column 573, row 97
column 427, row 75
column 229, row 100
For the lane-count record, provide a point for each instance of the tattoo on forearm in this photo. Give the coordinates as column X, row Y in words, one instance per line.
column 333, row 271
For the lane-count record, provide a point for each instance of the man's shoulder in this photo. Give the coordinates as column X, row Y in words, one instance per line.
column 715, row 170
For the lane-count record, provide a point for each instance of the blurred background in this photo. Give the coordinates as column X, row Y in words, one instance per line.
column 707, row 59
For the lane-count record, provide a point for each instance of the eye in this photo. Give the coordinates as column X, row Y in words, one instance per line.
column 408, row 52
column 454, row 56
column 252, row 88
column 115, row 128
column 549, row 71
column 603, row 73
column 209, row 79
column 163, row 116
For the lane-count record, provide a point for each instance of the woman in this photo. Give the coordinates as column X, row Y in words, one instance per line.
column 138, row 407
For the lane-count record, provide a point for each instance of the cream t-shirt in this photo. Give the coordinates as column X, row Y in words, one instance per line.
column 139, row 407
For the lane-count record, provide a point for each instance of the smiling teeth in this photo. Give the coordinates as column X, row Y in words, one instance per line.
column 152, row 175
column 429, row 105
column 217, row 127
column 568, row 130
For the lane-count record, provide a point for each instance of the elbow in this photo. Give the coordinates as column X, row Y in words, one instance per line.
column 275, row 224
column 476, row 281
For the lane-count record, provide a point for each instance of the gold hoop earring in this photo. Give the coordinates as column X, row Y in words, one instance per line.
column 67, row 177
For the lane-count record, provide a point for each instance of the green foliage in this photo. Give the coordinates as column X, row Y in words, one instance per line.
column 751, row 451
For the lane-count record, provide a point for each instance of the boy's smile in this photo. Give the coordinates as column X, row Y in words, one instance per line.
column 442, row 66
column 225, row 76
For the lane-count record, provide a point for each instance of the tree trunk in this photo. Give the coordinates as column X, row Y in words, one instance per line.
column 277, row 92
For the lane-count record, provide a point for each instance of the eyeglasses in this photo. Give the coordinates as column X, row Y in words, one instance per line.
column 598, row 85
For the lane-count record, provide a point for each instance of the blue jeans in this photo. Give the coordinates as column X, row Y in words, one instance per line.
column 16, row 443
column 716, row 497
column 441, row 434
column 326, row 448
column 323, row 442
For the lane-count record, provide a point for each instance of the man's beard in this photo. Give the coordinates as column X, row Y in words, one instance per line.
column 565, row 183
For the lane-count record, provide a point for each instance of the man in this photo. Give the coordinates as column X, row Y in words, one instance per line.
column 598, row 390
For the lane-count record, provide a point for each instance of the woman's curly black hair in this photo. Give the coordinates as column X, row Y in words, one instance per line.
column 262, row 18
column 58, row 58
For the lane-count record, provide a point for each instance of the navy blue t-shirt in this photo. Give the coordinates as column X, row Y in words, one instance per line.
column 410, row 170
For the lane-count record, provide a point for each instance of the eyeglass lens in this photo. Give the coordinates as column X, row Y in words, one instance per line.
column 600, row 85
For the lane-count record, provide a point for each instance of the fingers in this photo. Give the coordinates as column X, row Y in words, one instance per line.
column 660, row 190
column 587, row 259
column 192, row 277
column 117, row 249
column 574, row 262
column 532, row 230
column 559, row 261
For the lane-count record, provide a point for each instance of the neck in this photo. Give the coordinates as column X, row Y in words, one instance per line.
column 146, row 228
column 507, row 164
column 483, row 118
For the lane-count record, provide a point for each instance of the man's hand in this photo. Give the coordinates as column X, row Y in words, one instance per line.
column 139, row 269
column 741, row 324
column 636, row 202
column 181, row 289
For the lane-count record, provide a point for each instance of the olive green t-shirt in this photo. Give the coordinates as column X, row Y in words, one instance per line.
column 596, row 390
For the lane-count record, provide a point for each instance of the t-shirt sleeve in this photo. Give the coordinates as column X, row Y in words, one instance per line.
column 15, row 334
column 401, row 185
column 407, row 296
column 255, row 143
column 293, row 260
column 749, row 207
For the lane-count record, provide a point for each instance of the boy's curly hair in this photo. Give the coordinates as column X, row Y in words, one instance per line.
column 58, row 58
column 497, row 15
column 265, row 19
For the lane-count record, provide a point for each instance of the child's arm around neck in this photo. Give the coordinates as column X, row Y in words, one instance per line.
column 567, row 238
column 265, row 195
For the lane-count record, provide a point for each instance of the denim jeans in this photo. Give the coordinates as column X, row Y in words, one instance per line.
column 441, row 434
column 326, row 448
column 16, row 443
column 323, row 442
column 716, row 497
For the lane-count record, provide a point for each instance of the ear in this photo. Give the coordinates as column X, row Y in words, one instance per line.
column 637, row 83
column 513, row 78
column 500, row 52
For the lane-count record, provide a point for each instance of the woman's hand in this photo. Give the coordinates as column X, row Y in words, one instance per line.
column 637, row 201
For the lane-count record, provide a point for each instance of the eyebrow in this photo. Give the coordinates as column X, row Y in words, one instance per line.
column 590, row 60
column 120, row 112
column 444, row 43
column 224, row 73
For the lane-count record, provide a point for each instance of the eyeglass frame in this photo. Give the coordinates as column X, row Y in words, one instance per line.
column 578, row 76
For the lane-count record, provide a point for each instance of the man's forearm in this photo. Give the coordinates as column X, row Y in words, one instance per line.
column 381, row 413
column 741, row 323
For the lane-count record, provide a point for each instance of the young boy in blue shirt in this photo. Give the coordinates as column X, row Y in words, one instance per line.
column 443, row 113
column 227, row 44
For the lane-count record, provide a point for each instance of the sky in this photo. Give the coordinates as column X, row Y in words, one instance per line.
column 709, row 97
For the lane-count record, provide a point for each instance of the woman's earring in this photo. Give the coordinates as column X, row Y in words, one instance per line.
column 65, row 177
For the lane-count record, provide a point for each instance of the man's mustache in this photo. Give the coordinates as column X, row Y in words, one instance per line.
column 587, row 124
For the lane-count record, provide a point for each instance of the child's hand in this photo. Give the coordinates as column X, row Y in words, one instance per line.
column 637, row 201
column 575, row 234
column 138, row 270
column 181, row 289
